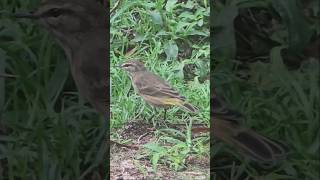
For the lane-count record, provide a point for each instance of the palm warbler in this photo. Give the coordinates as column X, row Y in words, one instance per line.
column 154, row 90
column 80, row 27
column 226, row 127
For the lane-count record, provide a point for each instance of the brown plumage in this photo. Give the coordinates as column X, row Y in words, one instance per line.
column 154, row 90
column 80, row 28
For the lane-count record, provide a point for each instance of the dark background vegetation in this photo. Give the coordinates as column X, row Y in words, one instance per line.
column 265, row 56
column 46, row 130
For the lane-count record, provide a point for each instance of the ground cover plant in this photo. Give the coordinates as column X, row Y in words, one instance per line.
column 172, row 40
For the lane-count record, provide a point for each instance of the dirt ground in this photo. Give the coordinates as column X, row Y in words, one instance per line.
column 127, row 163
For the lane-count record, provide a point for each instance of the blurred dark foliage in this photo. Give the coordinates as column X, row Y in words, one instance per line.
column 247, row 33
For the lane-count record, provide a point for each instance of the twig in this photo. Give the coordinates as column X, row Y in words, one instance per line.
column 200, row 130
column 142, row 136
column 193, row 124
column 123, row 145
column 115, row 6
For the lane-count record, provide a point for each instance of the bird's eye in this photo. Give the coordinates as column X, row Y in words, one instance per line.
column 55, row 12
column 125, row 65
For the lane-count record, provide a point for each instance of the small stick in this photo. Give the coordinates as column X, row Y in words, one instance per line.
column 142, row 136
column 115, row 6
column 126, row 146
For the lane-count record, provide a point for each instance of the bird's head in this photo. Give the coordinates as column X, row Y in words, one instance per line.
column 67, row 19
column 133, row 66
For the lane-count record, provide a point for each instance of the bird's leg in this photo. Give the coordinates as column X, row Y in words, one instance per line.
column 153, row 114
column 162, row 122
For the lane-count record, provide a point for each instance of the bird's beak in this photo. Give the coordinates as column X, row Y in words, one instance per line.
column 119, row 65
column 28, row 15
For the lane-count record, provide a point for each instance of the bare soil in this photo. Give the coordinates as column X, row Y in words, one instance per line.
column 126, row 162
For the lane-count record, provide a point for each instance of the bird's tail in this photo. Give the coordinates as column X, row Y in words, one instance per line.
column 258, row 147
column 181, row 103
column 189, row 107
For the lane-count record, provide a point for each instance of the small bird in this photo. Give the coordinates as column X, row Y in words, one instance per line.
column 226, row 127
column 155, row 91
column 81, row 29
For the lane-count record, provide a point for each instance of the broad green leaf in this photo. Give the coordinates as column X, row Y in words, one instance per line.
column 224, row 42
column 170, row 5
column 155, row 159
column 299, row 33
column 154, row 147
column 156, row 17
column 171, row 50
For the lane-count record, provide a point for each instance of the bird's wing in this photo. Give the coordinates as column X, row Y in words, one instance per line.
column 152, row 85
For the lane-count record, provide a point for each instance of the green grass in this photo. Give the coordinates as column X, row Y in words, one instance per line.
column 46, row 131
column 283, row 108
column 173, row 43
column 275, row 85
